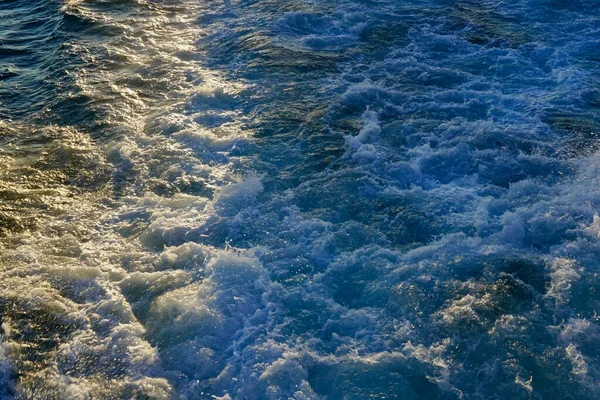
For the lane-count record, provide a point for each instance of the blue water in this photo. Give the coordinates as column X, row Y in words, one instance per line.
column 299, row 199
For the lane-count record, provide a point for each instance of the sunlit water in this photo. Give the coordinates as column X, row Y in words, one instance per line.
column 299, row 199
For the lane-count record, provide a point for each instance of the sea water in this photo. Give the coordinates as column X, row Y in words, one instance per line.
column 299, row 199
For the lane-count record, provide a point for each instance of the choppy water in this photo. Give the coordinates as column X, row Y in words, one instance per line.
column 299, row 199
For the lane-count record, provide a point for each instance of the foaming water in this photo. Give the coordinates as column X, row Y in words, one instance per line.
column 299, row 199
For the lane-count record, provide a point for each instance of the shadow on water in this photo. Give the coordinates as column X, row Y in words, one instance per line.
column 482, row 23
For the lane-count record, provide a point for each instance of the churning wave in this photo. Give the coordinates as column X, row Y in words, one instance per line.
column 299, row 199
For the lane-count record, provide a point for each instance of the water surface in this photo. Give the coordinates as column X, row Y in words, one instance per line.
column 299, row 199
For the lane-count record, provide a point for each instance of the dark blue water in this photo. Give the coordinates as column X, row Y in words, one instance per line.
column 299, row 199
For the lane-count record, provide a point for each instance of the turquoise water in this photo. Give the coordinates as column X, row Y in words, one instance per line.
column 299, row 199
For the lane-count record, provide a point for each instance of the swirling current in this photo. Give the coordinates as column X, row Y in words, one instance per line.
column 300, row 199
